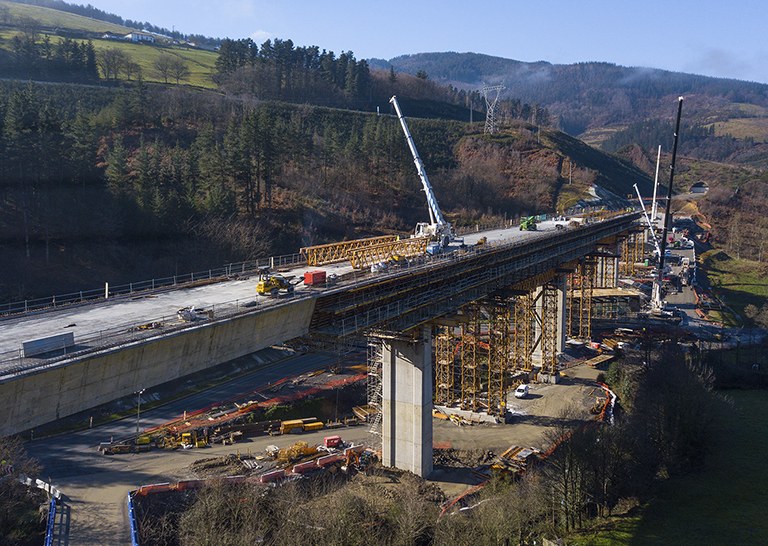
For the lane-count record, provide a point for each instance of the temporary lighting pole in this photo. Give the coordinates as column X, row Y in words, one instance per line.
column 138, row 410
column 668, row 213
column 655, row 185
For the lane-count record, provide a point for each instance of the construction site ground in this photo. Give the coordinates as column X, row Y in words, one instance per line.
column 96, row 485
column 534, row 421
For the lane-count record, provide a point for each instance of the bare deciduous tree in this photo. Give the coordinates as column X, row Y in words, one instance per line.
column 112, row 62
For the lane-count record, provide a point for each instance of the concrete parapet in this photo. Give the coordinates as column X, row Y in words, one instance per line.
column 43, row 395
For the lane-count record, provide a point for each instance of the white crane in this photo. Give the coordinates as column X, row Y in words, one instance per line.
column 656, row 293
column 437, row 229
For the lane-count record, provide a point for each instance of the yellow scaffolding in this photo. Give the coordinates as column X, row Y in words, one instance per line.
column 587, row 271
column 525, row 329
column 338, row 252
column 500, row 352
column 549, row 328
column 471, row 362
column 407, row 248
column 444, row 366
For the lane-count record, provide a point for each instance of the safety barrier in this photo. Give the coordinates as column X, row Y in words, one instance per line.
column 153, row 285
column 51, row 521
column 133, row 524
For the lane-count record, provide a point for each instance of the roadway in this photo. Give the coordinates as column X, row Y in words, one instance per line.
column 108, row 321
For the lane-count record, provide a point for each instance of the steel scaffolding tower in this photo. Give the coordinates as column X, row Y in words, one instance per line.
column 472, row 360
column 587, row 270
column 609, row 272
column 445, row 364
column 374, row 387
column 549, row 328
column 500, row 355
column 525, row 329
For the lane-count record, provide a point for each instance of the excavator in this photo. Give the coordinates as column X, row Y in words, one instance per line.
column 270, row 284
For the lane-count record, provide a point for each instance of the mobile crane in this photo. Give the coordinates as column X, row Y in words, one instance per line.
column 438, row 229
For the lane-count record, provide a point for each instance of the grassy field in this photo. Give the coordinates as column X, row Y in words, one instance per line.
column 724, row 503
column 756, row 128
column 51, row 18
column 201, row 63
column 737, row 282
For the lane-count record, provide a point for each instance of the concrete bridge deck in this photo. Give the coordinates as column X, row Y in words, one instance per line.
column 113, row 357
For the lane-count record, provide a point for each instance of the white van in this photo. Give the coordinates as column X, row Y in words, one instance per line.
column 521, row 391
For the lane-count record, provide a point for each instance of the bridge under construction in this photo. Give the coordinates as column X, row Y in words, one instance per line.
column 481, row 314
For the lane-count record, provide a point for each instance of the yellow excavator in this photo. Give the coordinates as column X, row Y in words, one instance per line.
column 270, row 284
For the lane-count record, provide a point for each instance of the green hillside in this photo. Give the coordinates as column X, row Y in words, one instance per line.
column 51, row 18
column 55, row 25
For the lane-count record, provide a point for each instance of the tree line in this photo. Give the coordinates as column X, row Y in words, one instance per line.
column 40, row 58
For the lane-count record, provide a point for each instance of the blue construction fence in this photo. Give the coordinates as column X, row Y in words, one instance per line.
column 51, row 521
column 133, row 524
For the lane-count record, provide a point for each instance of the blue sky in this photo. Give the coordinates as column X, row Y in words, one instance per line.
column 715, row 38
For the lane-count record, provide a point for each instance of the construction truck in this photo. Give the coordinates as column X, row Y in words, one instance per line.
column 270, row 284
column 528, row 223
column 438, row 229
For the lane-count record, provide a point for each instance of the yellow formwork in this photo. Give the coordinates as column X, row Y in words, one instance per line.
column 407, row 248
column 338, row 252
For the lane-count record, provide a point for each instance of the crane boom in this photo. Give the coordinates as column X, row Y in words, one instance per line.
column 438, row 227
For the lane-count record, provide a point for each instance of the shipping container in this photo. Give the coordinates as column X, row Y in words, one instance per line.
column 311, row 427
column 312, row 278
column 332, row 441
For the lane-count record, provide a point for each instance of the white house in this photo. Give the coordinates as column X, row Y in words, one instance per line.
column 140, row 37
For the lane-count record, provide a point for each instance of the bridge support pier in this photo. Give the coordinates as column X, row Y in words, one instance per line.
column 406, row 435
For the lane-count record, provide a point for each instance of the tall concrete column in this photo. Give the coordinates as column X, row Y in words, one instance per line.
column 406, row 405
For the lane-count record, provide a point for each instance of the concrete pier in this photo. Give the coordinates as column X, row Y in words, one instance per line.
column 407, row 404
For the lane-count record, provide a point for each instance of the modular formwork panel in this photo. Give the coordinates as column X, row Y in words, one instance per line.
column 338, row 252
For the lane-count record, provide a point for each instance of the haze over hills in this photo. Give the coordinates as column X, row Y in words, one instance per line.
column 595, row 100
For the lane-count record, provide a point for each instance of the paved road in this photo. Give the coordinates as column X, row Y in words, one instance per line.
column 95, row 324
column 96, row 485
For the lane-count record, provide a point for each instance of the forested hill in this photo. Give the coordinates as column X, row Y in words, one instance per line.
column 115, row 166
column 587, row 98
